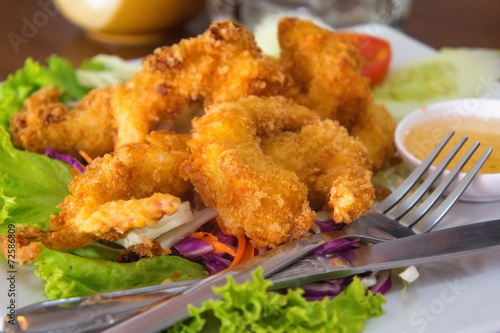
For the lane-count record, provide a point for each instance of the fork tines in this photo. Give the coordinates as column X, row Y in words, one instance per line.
column 388, row 206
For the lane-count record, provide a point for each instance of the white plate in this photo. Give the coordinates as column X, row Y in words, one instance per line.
column 454, row 296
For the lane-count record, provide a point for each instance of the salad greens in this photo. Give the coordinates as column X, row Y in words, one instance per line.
column 96, row 72
column 30, row 200
column 67, row 274
column 104, row 70
column 249, row 307
column 33, row 76
column 451, row 73
column 31, row 186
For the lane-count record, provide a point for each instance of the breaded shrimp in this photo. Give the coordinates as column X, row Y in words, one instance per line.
column 131, row 189
column 334, row 165
column 376, row 130
column 326, row 71
column 223, row 64
column 252, row 194
column 327, row 75
column 45, row 122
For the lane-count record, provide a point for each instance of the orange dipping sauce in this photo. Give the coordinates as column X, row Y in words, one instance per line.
column 422, row 138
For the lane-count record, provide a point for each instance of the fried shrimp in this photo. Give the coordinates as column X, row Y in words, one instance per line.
column 327, row 75
column 376, row 130
column 332, row 164
column 223, row 64
column 251, row 193
column 131, row 189
column 326, row 71
column 45, row 122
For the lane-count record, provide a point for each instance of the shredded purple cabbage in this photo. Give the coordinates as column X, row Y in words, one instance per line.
column 214, row 262
column 329, row 225
column 331, row 288
column 226, row 239
column 318, row 290
column 197, row 250
column 193, row 248
column 384, row 282
column 337, row 245
column 200, row 251
column 65, row 158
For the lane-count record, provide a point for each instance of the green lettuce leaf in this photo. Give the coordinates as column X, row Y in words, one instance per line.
column 33, row 76
column 68, row 275
column 96, row 251
column 250, row 308
column 31, row 186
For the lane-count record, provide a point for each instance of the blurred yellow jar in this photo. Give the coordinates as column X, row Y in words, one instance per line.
column 128, row 21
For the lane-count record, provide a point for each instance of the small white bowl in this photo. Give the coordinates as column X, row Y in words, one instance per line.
column 485, row 187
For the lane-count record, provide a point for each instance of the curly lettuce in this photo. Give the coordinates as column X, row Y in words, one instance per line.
column 249, row 307
column 31, row 186
column 33, row 76
column 96, row 72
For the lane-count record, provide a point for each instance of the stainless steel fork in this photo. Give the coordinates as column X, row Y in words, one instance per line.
column 404, row 213
column 399, row 215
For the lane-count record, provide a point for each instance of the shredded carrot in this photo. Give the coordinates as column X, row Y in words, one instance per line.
column 219, row 247
column 249, row 252
column 242, row 241
column 86, row 157
column 201, row 235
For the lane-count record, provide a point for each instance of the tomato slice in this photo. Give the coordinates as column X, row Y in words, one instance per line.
column 375, row 54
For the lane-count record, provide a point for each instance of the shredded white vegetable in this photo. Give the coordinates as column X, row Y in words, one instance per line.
column 201, row 217
column 181, row 217
column 369, row 281
column 410, row 274
column 116, row 70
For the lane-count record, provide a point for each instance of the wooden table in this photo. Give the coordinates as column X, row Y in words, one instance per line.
column 437, row 23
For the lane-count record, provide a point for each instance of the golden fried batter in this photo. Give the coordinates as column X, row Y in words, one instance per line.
column 131, row 189
column 327, row 76
column 334, row 166
column 376, row 130
column 26, row 248
column 277, row 135
column 252, row 194
column 223, row 64
column 325, row 70
column 45, row 122
column 150, row 248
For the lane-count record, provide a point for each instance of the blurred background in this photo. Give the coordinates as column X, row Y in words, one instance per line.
column 37, row 29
